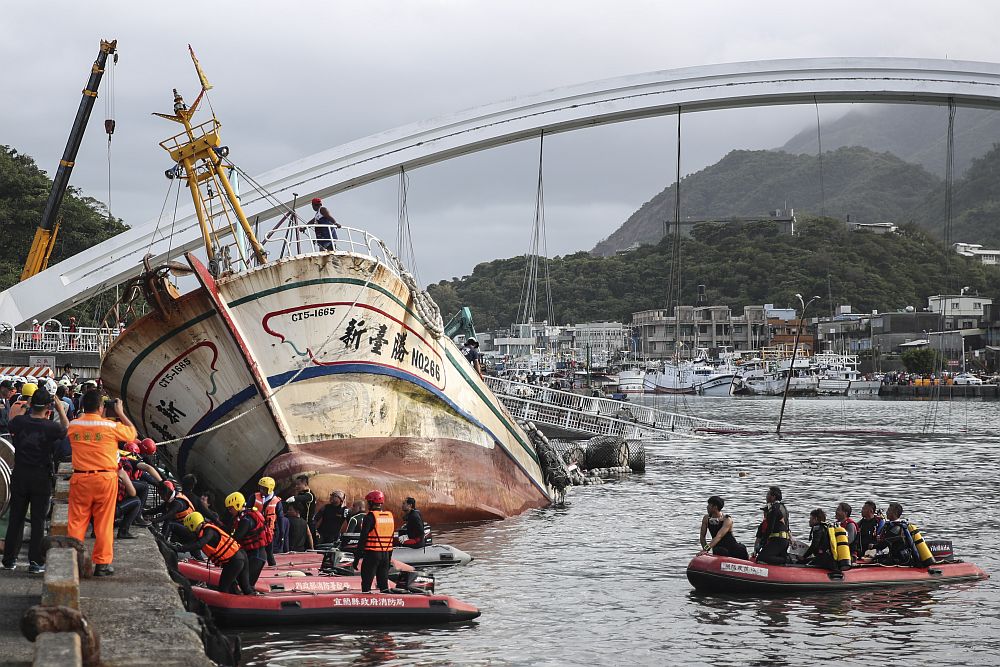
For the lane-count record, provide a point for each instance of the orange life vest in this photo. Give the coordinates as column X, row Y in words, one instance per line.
column 380, row 538
column 224, row 551
column 187, row 510
column 269, row 510
column 258, row 536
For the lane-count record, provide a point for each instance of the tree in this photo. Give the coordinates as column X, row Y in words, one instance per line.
column 922, row 360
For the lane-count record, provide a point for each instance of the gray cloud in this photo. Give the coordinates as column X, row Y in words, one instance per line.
column 296, row 78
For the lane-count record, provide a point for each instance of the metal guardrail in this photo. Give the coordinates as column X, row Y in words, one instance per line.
column 53, row 336
column 596, row 415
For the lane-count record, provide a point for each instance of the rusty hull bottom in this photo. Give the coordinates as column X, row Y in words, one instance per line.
column 451, row 480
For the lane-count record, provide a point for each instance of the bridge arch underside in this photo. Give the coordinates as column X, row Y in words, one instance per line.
column 732, row 86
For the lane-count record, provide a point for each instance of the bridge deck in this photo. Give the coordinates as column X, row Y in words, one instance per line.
column 574, row 415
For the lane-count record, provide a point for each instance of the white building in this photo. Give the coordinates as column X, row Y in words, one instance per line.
column 975, row 250
column 959, row 311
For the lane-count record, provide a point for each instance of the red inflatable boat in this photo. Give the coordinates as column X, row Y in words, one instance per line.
column 354, row 608
column 275, row 579
column 719, row 574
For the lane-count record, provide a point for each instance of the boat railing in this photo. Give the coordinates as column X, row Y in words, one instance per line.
column 290, row 239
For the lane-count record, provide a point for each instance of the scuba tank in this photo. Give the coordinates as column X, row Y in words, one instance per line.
column 840, row 548
column 924, row 554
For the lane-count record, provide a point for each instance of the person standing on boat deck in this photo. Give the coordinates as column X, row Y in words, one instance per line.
column 470, row 349
column 774, row 536
column 412, row 530
column 869, row 527
column 375, row 544
column 326, row 226
column 306, row 501
column 721, row 527
column 332, row 517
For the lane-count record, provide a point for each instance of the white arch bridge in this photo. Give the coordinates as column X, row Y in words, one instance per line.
column 778, row 82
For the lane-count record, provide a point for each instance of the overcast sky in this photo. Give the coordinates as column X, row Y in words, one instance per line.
column 295, row 78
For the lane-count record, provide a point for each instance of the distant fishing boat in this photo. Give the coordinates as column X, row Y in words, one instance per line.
column 325, row 360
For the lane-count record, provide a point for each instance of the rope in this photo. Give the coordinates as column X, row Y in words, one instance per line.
column 819, row 143
column 404, row 235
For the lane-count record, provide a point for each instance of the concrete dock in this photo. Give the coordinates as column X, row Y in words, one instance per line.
column 137, row 613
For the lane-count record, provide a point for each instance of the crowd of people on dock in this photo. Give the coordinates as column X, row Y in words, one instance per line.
column 835, row 544
column 115, row 473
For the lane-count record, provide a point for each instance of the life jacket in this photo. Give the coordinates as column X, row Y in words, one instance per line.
column 777, row 531
column 381, row 536
column 857, row 532
column 258, row 536
column 268, row 509
column 188, row 506
column 121, row 492
column 224, row 551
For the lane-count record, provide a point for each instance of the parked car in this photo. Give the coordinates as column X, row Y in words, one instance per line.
column 967, row 378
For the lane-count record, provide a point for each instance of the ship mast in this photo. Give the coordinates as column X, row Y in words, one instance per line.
column 199, row 155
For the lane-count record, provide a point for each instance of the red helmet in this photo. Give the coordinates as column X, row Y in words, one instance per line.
column 375, row 497
column 169, row 486
column 147, row 446
column 132, row 447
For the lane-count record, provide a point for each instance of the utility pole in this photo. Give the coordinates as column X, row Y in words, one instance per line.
column 791, row 366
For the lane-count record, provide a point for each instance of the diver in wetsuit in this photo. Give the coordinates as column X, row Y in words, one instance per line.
column 721, row 527
column 773, row 533
column 820, row 551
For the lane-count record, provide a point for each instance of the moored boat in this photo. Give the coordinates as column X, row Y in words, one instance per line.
column 347, row 608
column 719, row 574
column 303, row 578
column 325, row 359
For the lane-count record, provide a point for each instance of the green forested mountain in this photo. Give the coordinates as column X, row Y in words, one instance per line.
column 975, row 204
column 916, row 133
column 739, row 264
column 868, row 186
column 24, row 189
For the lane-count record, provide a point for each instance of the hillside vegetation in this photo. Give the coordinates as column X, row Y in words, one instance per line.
column 24, row 188
column 739, row 264
column 868, row 186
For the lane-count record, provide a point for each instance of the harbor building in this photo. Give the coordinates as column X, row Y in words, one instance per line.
column 663, row 336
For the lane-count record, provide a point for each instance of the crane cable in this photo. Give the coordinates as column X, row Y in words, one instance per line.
column 109, row 119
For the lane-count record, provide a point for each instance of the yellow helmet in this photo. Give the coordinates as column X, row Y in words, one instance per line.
column 236, row 501
column 28, row 389
column 267, row 483
column 193, row 520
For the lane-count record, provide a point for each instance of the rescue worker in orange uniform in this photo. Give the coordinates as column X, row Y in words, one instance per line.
column 250, row 530
column 375, row 544
column 222, row 551
column 267, row 503
column 93, row 489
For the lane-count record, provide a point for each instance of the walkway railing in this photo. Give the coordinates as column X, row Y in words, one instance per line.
column 53, row 336
column 596, row 416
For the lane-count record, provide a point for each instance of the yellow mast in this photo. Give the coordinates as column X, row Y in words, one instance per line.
column 198, row 154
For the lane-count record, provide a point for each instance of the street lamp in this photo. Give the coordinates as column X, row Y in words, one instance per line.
column 795, row 349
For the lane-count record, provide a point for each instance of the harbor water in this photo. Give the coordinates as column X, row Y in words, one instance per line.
column 602, row 580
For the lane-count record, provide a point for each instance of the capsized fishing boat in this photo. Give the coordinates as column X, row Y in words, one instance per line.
column 720, row 574
column 321, row 358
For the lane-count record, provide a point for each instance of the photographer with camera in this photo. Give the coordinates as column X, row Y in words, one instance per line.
column 36, row 444
column 93, row 489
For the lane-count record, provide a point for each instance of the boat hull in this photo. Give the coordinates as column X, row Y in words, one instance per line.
column 362, row 395
column 718, row 574
column 351, row 608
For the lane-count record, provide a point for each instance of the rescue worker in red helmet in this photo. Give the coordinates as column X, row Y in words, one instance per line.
column 172, row 511
column 249, row 529
column 375, row 544
column 326, row 226
column 269, row 504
